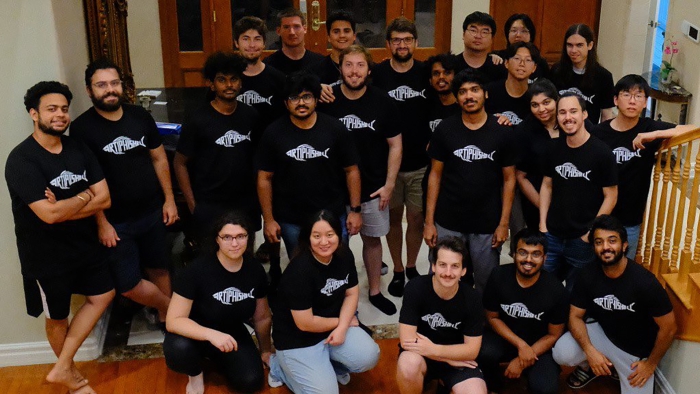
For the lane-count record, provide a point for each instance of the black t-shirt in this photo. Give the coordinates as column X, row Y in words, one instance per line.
column 599, row 96
column 470, row 198
column 578, row 178
column 370, row 120
column 534, row 142
column 625, row 307
column 308, row 167
column 264, row 93
column 328, row 71
column 491, row 71
column 309, row 284
column 634, row 166
column 516, row 109
column 221, row 299
column 288, row 66
column 438, row 111
column 445, row 322
column 409, row 91
column 221, row 156
column 528, row 312
column 542, row 70
column 123, row 148
column 47, row 250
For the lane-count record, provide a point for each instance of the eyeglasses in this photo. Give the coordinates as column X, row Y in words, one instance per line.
column 519, row 60
column 637, row 96
column 536, row 255
column 522, row 32
column 479, row 32
column 103, row 85
column 405, row 40
column 306, row 98
column 229, row 238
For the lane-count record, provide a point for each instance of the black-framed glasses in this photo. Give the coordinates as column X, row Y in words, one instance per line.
column 229, row 238
column 523, row 254
column 405, row 40
column 306, row 98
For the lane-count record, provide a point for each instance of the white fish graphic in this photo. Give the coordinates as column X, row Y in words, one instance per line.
column 403, row 92
column 568, row 170
column 68, row 178
column 305, row 151
column 231, row 295
column 252, row 97
column 231, row 138
column 519, row 309
column 333, row 285
column 577, row 92
column 434, row 124
column 623, row 155
column 472, row 152
column 354, row 122
column 512, row 116
column 612, row 303
column 123, row 144
column 436, row 320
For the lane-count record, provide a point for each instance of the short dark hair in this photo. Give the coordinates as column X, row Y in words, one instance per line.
column 447, row 60
column 451, row 243
column 512, row 50
column 340, row 15
column 525, row 18
column 581, row 100
column 288, row 13
column 102, row 63
column 227, row 63
column 401, row 25
column 235, row 218
column 479, row 18
column 632, row 81
column 530, row 236
column 249, row 23
column 354, row 48
column 325, row 215
column 609, row 223
column 543, row 86
column 299, row 81
column 468, row 75
column 33, row 96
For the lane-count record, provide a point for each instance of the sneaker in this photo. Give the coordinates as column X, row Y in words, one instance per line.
column 383, row 304
column 385, row 268
column 343, row 379
column 272, row 381
column 397, row 284
column 411, row 272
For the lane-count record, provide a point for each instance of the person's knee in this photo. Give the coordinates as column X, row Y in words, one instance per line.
column 101, row 301
column 414, row 218
column 470, row 386
column 565, row 352
column 395, row 216
column 410, row 367
column 248, row 382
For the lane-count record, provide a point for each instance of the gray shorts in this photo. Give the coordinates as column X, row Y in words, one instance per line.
column 375, row 223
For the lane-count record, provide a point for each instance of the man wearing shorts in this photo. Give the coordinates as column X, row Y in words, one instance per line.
column 369, row 114
column 56, row 185
column 440, row 327
column 126, row 143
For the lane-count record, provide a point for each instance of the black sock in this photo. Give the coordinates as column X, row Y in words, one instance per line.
column 411, row 272
column 383, row 304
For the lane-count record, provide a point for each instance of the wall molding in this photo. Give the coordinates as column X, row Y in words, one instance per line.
column 661, row 384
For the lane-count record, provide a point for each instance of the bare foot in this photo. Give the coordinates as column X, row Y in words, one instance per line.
column 195, row 385
column 76, row 374
column 83, row 390
column 66, row 377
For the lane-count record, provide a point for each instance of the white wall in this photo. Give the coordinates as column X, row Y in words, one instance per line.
column 143, row 24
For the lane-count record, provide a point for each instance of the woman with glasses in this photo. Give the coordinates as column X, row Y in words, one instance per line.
column 316, row 332
column 213, row 297
column 520, row 28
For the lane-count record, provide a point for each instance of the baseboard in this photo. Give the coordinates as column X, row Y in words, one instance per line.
column 30, row 353
column 661, row 384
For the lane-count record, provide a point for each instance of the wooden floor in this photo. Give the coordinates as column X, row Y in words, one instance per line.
column 152, row 376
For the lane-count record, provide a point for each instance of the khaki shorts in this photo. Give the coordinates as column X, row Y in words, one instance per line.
column 408, row 190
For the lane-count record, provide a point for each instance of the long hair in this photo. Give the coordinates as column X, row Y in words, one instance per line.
column 304, row 244
column 563, row 71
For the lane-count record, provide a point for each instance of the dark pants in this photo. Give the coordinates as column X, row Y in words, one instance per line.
column 242, row 368
column 543, row 376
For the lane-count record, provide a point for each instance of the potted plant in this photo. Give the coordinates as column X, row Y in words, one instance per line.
column 670, row 48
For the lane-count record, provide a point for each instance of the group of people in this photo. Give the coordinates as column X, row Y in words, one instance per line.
column 469, row 147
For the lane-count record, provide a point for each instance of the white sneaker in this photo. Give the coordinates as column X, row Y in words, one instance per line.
column 343, row 379
column 272, row 381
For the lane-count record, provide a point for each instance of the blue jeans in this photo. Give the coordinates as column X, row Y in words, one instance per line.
column 565, row 257
column 290, row 234
column 632, row 240
column 313, row 369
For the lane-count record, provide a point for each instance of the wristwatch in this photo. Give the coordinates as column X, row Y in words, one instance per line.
column 356, row 209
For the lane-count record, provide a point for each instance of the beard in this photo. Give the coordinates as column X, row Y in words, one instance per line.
column 360, row 86
column 101, row 104
column 402, row 59
column 48, row 130
column 616, row 259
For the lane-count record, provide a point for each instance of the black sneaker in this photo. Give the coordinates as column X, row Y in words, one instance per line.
column 383, row 304
column 411, row 272
column 397, row 284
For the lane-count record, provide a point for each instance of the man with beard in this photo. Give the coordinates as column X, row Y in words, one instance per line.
column 369, row 114
column 579, row 184
column 443, row 104
column 441, row 326
column 126, row 142
column 526, row 309
column 472, row 179
column 633, row 322
column 293, row 56
column 307, row 161
column 56, row 186
column 404, row 79
column 340, row 27
column 214, row 159
column 478, row 30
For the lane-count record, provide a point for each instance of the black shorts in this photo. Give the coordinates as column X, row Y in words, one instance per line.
column 448, row 375
column 52, row 295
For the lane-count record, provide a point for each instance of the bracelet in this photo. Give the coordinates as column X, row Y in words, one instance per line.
column 80, row 197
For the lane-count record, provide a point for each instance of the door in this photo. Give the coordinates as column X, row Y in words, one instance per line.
column 656, row 34
column 193, row 29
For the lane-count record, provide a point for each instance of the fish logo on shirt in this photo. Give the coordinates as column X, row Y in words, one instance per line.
column 612, row 303
column 336, row 83
column 252, row 97
column 623, row 155
column 519, row 309
column 231, row 295
column 403, row 92
column 231, row 138
column 434, row 124
column 472, row 152
column 67, row 178
column 354, row 122
column 577, row 92
column 305, row 151
column 436, row 320
column 512, row 116
column 333, row 285
column 568, row 170
column 122, row 144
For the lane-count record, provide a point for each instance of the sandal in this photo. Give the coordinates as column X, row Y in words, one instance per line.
column 580, row 378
